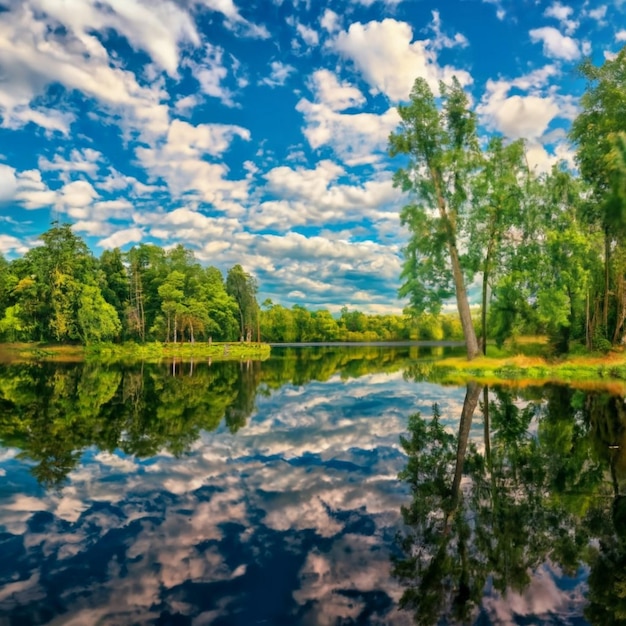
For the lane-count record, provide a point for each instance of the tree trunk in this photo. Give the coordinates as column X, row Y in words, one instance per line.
column 607, row 284
column 487, row 425
column 462, row 303
column 483, row 310
column 469, row 406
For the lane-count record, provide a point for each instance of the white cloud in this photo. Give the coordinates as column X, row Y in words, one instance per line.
column 598, row 13
column 234, row 20
column 314, row 196
column 523, row 116
column 32, row 193
column 180, row 161
column 185, row 105
column 8, row 244
column 210, row 73
column 279, row 73
column 85, row 160
column 388, row 60
column 562, row 13
column 357, row 138
column 330, row 21
column 500, row 12
column 369, row 3
column 555, row 44
column 158, row 28
column 190, row 226
column 309, row 36
column 8, row 183
column 337, row 96
column 520, row 116
column 441, row 40
column 75, row 198
column 34, row 56
column 620, row 35
column 122, row 237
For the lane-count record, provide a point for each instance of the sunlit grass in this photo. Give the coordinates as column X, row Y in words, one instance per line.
column 127, row 352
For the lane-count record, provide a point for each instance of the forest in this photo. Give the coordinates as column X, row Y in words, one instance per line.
column 59, row 292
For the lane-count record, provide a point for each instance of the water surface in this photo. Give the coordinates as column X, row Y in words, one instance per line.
column 244, row 493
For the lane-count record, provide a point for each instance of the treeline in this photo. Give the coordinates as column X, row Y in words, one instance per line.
column 548, row 249
column 298, row 324
column 60, row 292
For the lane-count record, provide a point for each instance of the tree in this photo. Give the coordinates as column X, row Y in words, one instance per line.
column 98, row 320
column 596, row 134
column 171, row 293
column 243, row 288
column 442, row 150
column 497, row 194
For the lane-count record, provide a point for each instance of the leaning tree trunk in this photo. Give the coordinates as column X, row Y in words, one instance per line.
column 462, row 303
column 469, row 406
column 471, row 343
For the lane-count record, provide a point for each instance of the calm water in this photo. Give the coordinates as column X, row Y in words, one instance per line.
column 306, row 490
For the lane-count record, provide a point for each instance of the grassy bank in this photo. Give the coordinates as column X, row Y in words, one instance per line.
column 525, row 369
column 128, row 352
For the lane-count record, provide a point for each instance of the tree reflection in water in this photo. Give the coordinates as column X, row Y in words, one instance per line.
column 53, row 412
column 545, row 485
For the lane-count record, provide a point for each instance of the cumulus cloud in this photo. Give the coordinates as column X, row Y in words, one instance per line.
column 330, row 21
column 180, row 161
column 9, row 244
column 389, row 61
column 555, row 44
column 598, row 14
column 34, row 56
column 312, row 196
column 8, row 183
column 524, row 116
column 357, row 138
column 122, row 237
column 32, row 192
column 563, row 14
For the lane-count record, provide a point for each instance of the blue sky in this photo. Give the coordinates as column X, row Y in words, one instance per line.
column 255, row 132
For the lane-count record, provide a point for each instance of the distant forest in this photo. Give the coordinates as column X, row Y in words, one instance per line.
column 60, row 292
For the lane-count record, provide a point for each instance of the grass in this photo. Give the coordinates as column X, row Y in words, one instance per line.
column 528, row 362
column 128, row 352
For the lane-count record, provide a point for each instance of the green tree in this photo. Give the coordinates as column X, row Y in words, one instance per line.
column 443, row 151
column 243, row 288
column 596, row 131
column 497, row 197
column 98, row 320
column 171, row 293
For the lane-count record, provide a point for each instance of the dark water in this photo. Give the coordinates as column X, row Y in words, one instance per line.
column 269, row 493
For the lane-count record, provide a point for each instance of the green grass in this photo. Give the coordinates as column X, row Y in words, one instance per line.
column 129, row 352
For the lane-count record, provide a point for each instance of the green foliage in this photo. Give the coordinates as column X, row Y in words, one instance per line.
column 59, row 292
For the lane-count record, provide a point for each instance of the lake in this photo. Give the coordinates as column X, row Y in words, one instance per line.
column 323, row 486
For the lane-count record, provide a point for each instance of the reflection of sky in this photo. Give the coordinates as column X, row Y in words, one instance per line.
column 291, row 520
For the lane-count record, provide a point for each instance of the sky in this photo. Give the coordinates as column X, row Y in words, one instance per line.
column 255, row 131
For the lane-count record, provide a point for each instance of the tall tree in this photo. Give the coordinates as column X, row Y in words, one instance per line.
column 243, row 288
column 443, row 151
column 595, row 132
column 497, row 196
